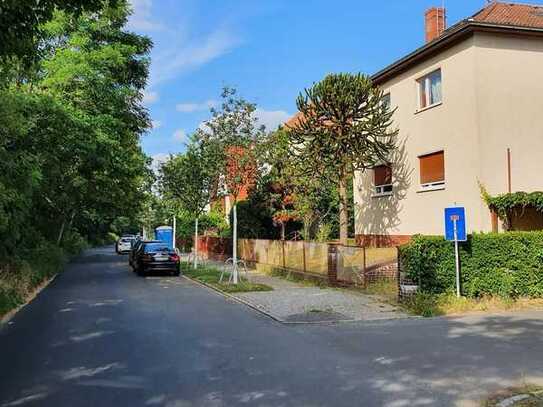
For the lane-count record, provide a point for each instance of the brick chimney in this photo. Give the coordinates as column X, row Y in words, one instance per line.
column 436, row 22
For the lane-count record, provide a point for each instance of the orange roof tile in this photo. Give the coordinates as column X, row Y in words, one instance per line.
column 511, row 14
column 294, row 121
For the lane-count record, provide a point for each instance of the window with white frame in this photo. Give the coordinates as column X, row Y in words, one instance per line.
column 429, row 88
column 385, row 100
column 382, row 180
column 432, row 171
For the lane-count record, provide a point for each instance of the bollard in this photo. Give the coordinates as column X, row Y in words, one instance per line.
column 332, row 264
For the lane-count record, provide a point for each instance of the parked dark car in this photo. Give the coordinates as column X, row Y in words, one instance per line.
column 132, row 254
column 155, row 257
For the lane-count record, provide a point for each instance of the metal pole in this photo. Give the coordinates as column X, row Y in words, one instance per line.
column 174, row 217
column 509, row 170
column 196, row 244
column 234, row 245
column 457, row 258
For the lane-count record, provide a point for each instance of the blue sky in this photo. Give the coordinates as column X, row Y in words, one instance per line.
column 268, row 49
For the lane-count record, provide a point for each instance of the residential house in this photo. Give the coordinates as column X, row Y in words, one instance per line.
column 469, row 109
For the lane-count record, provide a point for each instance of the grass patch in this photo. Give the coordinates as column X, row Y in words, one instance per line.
column 211, row 276
column 532, row 396
column 384, row 288
column 298, row 278
column 429, row 305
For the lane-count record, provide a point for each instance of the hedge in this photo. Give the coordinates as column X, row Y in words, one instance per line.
column 503, row 264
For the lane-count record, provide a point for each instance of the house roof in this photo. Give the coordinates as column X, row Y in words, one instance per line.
column 294, row 120
column 511, row 14
column 497, row 16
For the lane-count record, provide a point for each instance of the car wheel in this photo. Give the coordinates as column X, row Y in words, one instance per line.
column 140, row 271
column 176, row 273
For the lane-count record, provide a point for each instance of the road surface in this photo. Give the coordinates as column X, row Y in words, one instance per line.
column 98, row 335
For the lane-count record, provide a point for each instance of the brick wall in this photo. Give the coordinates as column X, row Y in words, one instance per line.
column 382, row 240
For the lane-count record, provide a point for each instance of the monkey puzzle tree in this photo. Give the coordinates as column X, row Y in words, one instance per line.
column 343, row 126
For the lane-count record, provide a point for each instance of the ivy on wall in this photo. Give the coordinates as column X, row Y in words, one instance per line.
column 505, row 204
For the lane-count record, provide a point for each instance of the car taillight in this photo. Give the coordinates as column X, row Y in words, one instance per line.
column 174, row 257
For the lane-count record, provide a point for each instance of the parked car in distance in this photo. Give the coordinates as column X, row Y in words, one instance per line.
column 154, row 257
column 124, row 244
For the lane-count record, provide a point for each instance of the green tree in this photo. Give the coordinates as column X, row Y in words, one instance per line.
column 236, row 138
column 22, row 22
column 188, row 180
column 344, row 122
column 70, row 128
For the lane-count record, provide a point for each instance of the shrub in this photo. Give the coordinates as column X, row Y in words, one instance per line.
column 19, row 278
column 73, row 243
column 506, row 264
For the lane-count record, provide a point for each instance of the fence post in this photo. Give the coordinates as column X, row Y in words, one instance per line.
column 398, row 273
column 332, row 264
column 283, row 253
column 364, row 282
column 303, row 253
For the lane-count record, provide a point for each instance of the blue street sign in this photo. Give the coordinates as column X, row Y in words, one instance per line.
column 455, row 215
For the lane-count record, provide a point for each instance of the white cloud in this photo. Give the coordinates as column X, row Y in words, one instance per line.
column 149, row 97
column 141, row 19
column 271, row 118
column 195, row 107
column 180, row 135
column 158, row 160
column 156, row 124
column 185, row 54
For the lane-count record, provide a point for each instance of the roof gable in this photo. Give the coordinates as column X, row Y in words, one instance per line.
column 497, row 16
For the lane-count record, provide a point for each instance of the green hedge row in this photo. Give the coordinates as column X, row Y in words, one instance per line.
column 504, row 264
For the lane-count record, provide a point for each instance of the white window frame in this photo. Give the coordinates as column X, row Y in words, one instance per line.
column 387, row 95
column 426, row 80
column 380, row 190
column 433, row 186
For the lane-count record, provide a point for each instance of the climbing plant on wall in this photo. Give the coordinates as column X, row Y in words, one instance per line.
column 505, row 204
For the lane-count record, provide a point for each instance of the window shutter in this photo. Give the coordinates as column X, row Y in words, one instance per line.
column 432, row 168
column 382, row 175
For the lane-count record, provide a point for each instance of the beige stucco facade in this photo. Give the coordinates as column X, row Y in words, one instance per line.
column 492, row 100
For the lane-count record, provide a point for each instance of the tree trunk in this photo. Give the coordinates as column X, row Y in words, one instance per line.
column 343, row 210
column 283, row 230
column 61, row 232
column 196, row 243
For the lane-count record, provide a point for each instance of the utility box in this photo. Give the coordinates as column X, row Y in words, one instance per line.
column 165, row 234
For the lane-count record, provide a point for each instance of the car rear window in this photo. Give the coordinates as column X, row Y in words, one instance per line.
column 126, row 239
column 155, row 247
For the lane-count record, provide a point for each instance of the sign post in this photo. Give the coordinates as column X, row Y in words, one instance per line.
column 455, row 230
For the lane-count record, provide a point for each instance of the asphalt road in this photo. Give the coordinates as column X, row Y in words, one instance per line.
column 100, row 336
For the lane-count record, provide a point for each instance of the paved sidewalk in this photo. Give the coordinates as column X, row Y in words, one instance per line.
column 295, row 302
